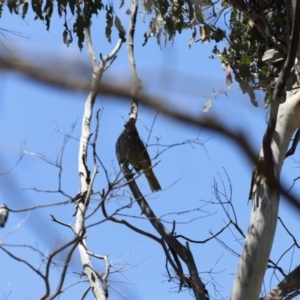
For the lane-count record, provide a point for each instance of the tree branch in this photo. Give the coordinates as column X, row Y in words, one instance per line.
column 136, row 86
column 194, row 281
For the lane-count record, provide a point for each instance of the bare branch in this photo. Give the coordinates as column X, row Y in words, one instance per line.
column 75, row 242
column 61, row 223
column 40, row 206
column 72, row 243
column 136, row 85
column 17, row 162
column 194, row 281
column 206, row 240
column 25, row 262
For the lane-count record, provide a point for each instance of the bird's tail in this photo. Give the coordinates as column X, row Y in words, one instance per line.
column 152, row 180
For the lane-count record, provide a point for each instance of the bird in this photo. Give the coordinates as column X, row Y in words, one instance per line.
column 131, row 149
column 3, row 215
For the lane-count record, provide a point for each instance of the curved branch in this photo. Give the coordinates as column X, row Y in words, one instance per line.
column 206, row 240
column 136, row 86
column 25, row 262
column 74, row 242
column 194, row 281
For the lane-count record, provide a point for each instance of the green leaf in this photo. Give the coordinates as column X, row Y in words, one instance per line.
column 61, row 7
column 37, row 8
column 253, row 98
column 246, row 88
column 78, row 28
column 72, row 4
column 98, row 6
column 207, row 106
column 192, row 38
column 264, row 71
column 272, row 55
column 163, row 6
column 146, row 37
column 218, row 35
column 263, row 83
column 11, row 5
column 48, row 10
column 148, row 5
column 158, row 36
column 109, row 23
column 245, row 60
column 24, row 10
column 1, row 8
column 169, row 27
column 16, row 9
column 121, row 4
column 120, row 28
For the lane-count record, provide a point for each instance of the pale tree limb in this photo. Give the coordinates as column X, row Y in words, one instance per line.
column 136, row 83
column 86, row 182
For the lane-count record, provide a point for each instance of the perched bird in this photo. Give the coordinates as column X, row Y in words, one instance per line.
column 130, row 149
column 3, row 215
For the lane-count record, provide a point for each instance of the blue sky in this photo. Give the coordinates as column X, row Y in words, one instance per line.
column 35, row 113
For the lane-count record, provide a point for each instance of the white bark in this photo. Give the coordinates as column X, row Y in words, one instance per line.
column 86, row 180
column 136, row 83
column 264, row 212
column 85, row 189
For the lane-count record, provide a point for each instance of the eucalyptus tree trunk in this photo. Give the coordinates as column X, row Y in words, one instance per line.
column 265, row 204
column 265, row 187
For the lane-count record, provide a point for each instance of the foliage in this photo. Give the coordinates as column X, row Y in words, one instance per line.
column 252, row 49
column 82, row 10
column 252, row 68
